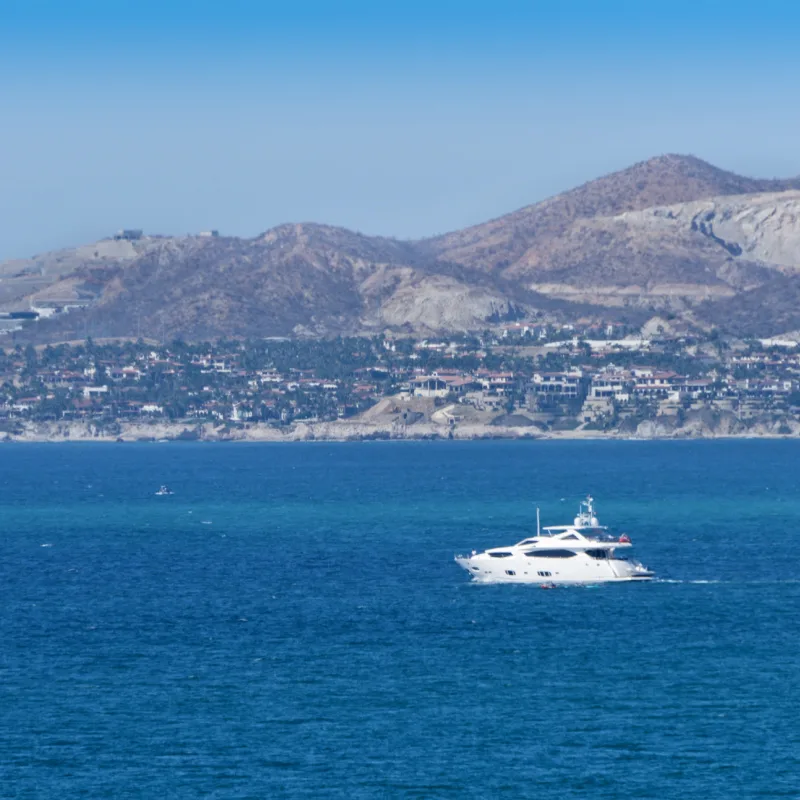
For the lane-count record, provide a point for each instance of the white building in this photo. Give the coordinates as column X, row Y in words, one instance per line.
column 613, row 385
column 429, row 386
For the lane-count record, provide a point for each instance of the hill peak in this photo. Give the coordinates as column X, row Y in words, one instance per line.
column 678, row 178
column 660, row 181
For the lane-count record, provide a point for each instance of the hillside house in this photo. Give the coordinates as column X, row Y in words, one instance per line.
column 557, row 385
column 615, row 385
column 500, row 384
column 652, row 384
column 694, row 388
column 429, row 386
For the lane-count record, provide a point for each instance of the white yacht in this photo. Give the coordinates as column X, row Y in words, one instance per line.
column 163, row 490
column 581, row 553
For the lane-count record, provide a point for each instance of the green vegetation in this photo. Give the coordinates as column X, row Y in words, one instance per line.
column 281, row 381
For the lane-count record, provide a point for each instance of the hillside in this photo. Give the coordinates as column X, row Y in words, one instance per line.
column 670, row 256
column 671, row 233
column 665, row 180
column 771, row 309
column 294, row 279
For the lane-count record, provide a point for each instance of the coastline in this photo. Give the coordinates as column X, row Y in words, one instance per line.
column 365, row 432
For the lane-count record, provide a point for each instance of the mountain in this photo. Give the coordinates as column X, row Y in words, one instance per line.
column 307, row 279
column 672, row 233
column 501, row 243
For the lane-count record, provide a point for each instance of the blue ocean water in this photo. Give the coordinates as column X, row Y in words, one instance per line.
column 290, row 623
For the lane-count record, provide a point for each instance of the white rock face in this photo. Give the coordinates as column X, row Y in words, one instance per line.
column 437, row 303
column 760, row 227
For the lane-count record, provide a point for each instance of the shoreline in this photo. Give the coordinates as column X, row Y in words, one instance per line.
column 358, row 432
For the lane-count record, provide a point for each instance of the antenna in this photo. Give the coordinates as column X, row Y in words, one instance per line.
column 538, row 529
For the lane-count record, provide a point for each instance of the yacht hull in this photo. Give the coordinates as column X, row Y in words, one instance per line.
column 484, row 569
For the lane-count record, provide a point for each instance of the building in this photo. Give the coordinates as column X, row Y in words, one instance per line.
column 429, row 386
column 557, row 385
column 522, row 330
column 499, row 384
column 612, row 345
column 457, row 384
column 650, row 383
column 695, row 388
column 129, row 234
column 613, row 385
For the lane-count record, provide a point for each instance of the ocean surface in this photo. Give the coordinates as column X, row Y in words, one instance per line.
column 290, row 623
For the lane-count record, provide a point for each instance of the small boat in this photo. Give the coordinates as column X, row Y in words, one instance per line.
column 581, row 553
column 163, row 490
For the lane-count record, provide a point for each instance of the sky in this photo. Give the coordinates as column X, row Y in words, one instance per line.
column 390, row 117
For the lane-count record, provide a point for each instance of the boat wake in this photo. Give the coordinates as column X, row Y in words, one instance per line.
column 705, row 582
column 535, row 585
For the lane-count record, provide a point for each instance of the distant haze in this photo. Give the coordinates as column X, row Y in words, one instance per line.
column 384, row 118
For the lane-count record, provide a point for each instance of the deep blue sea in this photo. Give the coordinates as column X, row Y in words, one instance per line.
column 290, row 623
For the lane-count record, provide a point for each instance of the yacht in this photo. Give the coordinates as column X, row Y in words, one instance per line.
column 582, row 553
column 162, row 490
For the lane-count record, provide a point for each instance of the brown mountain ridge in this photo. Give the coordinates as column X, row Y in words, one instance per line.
column 670, row 233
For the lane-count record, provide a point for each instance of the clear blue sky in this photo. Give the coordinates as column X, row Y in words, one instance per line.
column 391, row 117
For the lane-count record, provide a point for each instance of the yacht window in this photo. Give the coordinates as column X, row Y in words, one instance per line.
column 571, row 536
column 500, row 555
column 597, row 553
column 510, row 572
column 543, row 574
column 528, row 541
column 551, row 553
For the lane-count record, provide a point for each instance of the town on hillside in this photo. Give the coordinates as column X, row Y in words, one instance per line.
column 586, row 378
